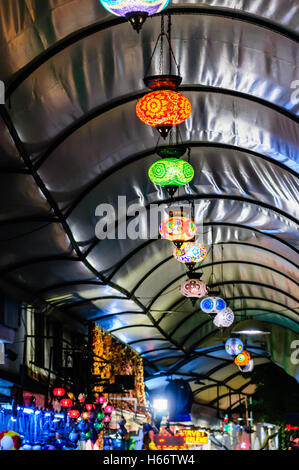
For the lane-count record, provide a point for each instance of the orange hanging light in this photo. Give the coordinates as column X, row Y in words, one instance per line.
column 243, row 358
column 163, row 109
column 178, row 229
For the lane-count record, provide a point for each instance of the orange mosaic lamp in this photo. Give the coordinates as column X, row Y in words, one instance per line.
column 243, row 358
column 178, row 230
column 163, row 109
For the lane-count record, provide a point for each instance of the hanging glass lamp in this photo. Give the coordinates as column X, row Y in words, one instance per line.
column 234, row 346
column 194, row 288
column 136, row 11
column 171, row 172
column 212, row 305
column 163, row 109
column 190, row 253
column 248, row 367
column 178, row 229
column 224, row 319
column 243, row 358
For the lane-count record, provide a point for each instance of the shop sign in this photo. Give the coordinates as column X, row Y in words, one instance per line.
column 195, row 437
column 167, row 441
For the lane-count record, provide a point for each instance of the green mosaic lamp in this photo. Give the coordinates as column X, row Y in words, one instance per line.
column 171, row 172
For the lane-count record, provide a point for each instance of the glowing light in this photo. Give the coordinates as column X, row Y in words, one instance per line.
column 125, row 7
column 108, row 409
column 74, row 414
column 234, row 346
column 136, row 11
column 89, row 407
column 178, row 229
column 160, row 404
column 85, row 415
column 58, row 392
column 171, row 171
column 190, row 253
column 101, row 400
column 212, row 305
column 243, row 358
column 66, row 403
column 224, row 319
column 107, row 419
column 163, row 109
column 194, row 288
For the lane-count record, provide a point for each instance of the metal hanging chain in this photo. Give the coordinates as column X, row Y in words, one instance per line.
column 171, row 54
column 169, row 38
column 162, row 46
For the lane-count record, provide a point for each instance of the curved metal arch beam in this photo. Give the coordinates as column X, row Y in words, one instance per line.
column 130, row 326
column 216, row 284
column 147, row 339
column 83, row 33
column 152, row 151
column 226, row 394
column 220, row 197
column 224, row 363
column 239, row 390
column 106, row 107
column 104, row 317
column 140, row 247
column 100, row 283
column 81, row 302
column 223, row 382
column 44, row 259
column 199, row 340
column 274, row 312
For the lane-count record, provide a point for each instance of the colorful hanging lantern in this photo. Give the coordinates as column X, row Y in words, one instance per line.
column 248, row 367
column 178, row 229
column 85, row 415
column 101, row 400
column 66, row 403
column 89, row 407
column 107, row 419
column 136, row 11
column 98, row 426
column 243, row 358
column 234, row 346
column 108, row 409
column 82, row 398
column 190, row 253
column 100, row 416
column 171, row 172
column 163, row 109
column 212, row 305
column 58, row 392
column 194, row 288
column 74, row 414
column 224, row 319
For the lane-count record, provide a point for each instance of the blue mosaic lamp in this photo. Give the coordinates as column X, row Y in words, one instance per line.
column 136, row 11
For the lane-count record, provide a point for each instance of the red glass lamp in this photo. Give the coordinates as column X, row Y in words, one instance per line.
column 74, row 414
column 58, row 392
column 66, row 403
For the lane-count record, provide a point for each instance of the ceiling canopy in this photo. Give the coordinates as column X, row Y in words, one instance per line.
column 70, row 140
